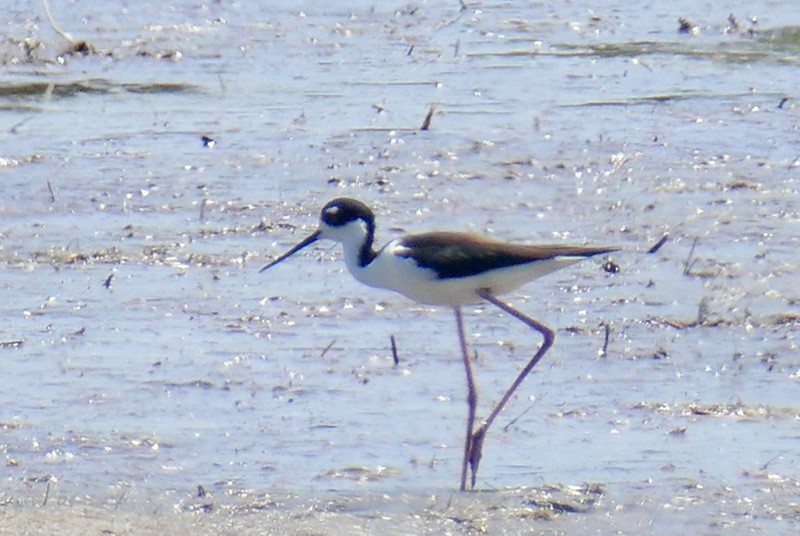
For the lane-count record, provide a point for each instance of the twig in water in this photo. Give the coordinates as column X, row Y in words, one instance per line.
column 52, row 195
column 13, row 129
column 46, row 493
column 764, row 467
column 659, row 244
column 119, row 501
column 426, row 123
column 55, row 26
column 48, row 92
column 222, row 86
column 604, row 350
column 703, row 310
column 325, row 351
column 515, row 419
column 394, row 351
column 689, row 261
column 84, row 47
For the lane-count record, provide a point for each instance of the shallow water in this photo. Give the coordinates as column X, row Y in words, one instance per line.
column 574, row 123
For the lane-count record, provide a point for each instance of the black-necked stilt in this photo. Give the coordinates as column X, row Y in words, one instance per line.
column 446, row 268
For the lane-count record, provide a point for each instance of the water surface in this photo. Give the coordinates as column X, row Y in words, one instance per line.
column 143, row 355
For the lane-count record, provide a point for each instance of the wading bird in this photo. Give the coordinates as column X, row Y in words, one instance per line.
column 446, row 268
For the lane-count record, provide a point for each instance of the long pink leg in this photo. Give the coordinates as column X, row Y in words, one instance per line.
column 472, row 399
column 475, row 442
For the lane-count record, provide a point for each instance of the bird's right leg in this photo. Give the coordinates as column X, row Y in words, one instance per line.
column 472, row 399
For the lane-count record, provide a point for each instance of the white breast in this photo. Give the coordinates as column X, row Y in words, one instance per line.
column 401, row 274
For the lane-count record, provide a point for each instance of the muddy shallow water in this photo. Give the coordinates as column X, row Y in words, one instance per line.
column 148, row 366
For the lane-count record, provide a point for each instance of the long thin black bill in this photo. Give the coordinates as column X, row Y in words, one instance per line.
column 309, row 240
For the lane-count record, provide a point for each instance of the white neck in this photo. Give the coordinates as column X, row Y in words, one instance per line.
column 352, row 237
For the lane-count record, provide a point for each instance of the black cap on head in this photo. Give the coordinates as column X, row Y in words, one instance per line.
column 343, row 210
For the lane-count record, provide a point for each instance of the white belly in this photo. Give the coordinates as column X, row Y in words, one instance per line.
column 403, row 275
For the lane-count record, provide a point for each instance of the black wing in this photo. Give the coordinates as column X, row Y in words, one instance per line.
column 453, row 255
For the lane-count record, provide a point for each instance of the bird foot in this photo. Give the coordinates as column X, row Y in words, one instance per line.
column 475, row 453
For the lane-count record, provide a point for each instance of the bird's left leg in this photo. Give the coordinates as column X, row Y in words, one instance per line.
column 476, row 442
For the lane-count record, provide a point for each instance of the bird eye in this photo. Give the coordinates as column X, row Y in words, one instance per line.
column 332, row 216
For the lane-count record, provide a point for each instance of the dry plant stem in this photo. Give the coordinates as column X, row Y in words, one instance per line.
column 395, row 357
column 658, row 244
column 607, row 328
column 426, row 123
column 55, row 26
column 689, row 261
